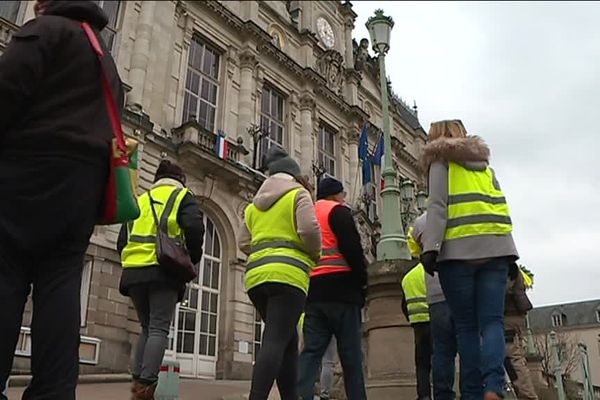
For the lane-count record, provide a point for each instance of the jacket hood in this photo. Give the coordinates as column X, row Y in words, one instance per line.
column 274, row 188
column 80, row 10
column 168, row 182
column 471, row 152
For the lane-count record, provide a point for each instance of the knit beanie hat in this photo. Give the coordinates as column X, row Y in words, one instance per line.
column 278, row 160
column 167, row 169
column 329, row 187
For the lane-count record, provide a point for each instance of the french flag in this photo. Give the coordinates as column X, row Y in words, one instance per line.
column 378, row 158
column 222, row 145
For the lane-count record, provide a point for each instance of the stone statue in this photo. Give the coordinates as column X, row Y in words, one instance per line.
column 361, row 55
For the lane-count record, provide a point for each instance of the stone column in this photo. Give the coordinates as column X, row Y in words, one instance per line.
column 354, row 166
column 349, row 54
column 246, row 105
column 141, row 52
column 390, row 343
column 307, row 105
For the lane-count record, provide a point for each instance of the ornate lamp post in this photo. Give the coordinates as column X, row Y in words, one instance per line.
column 413, row 204
column 389, row 338
column 392, row 245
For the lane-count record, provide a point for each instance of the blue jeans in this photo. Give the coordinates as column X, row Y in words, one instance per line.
column 443, row 334
column 321, row 322
column 475, row 293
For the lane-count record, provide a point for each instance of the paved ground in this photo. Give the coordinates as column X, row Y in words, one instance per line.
column 190, row 390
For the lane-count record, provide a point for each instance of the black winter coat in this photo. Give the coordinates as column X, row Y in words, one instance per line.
column 54, row 129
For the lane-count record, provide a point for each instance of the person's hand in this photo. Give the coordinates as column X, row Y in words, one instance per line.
column 429, row 261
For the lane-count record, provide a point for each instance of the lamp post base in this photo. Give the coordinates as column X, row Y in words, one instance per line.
column 392, row 247
column 389, row 337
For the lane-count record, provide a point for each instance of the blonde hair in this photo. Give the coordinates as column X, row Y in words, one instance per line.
column 449, row 128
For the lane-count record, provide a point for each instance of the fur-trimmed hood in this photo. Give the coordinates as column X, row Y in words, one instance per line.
column 469, row 151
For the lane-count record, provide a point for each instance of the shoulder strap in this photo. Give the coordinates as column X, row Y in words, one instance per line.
column 113, row 114
column 164, row 218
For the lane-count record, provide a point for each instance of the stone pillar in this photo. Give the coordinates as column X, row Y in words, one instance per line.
column 349, row 54
column 307, row 105
column 354, row 166
column 246, row 107
column 390, row 343
column 141, row 52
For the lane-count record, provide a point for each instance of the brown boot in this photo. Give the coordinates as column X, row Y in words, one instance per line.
column 492, row 396
column 143, row 392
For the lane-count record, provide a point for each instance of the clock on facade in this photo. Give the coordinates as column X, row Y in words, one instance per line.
column 325, row 32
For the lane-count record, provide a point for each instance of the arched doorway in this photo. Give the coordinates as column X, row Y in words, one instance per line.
column 193, row 339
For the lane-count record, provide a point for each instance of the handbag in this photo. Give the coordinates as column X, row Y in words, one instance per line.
column 120, row 202
column 171, row 254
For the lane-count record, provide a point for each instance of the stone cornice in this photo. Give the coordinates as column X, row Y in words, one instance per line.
column 346, row 10
column 352, row 75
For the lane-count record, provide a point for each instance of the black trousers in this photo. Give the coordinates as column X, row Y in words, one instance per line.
column 44, row 234
column 423, row 353
column 279, row 307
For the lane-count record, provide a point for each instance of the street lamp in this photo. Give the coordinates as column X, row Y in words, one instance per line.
column 413, row 204
column 392, row 244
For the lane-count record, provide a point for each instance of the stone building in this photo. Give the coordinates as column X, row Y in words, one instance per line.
column 574, row 323
column 255, row 74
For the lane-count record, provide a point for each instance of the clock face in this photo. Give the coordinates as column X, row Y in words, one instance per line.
column 325, row 32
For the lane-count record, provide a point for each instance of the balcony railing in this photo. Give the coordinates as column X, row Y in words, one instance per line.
column 194, row 133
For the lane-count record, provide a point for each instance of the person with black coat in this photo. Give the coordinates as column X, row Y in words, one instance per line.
column 336, row 295
column 153, row 290
column 55, row 136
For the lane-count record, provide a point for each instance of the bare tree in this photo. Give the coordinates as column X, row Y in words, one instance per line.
column 567, row 353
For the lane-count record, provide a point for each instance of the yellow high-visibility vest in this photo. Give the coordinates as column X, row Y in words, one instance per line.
column 415, row 292
column 475, row 206
column 277, row 252
column 140, row 250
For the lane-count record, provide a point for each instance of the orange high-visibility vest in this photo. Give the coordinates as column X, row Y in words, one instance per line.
column 332, row 261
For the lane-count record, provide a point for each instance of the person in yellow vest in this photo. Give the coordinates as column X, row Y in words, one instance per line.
column 282, row 239
column 336, row 296
column 153, row 292
column 416, row 310
column 468, row 240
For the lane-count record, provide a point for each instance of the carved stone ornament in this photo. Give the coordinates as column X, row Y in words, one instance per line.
column 331, row 66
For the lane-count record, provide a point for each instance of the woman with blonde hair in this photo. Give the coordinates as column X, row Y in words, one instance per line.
column 468, row 241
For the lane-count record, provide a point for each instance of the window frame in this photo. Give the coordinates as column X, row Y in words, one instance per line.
column 213, row 82
column 19, row 15
column 257, row 342
column 266, row 116
column 325, row 157
column 84, row 293
column 557, row 320
column 109, row 29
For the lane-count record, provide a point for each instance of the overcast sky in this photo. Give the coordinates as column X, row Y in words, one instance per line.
column 525, row 77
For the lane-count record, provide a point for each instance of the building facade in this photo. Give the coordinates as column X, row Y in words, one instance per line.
column 574, row 323
column 255, row 74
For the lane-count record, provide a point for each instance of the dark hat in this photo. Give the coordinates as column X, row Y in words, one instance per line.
column 329, row 187
column 167, row 169
column 278, row 160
